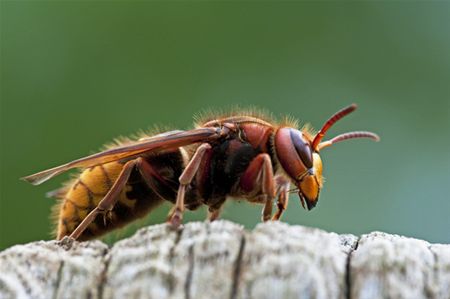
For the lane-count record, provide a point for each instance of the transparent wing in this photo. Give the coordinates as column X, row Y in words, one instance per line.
column 159, row 142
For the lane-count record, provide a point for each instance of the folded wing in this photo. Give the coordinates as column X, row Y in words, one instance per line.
column 151, row 144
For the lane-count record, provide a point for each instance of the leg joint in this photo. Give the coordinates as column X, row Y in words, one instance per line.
column 193, row 165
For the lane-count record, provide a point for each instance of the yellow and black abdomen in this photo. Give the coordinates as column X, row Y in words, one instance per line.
column 136, row 199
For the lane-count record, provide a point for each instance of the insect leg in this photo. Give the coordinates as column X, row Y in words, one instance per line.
column 283, row 197
column 259, row 176
column 213, row 214
column 149, row 175
column 215, row 209
column 176, row 214
column 108, row 202
column 267, row 210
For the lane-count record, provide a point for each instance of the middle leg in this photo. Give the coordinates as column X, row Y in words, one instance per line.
column 176, row 214
column 258, row 178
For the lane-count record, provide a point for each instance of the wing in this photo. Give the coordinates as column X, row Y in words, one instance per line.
column 57, row 193
column 159, row 142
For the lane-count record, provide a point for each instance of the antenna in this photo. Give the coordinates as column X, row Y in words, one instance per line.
column 330, row 122
column 346, row 136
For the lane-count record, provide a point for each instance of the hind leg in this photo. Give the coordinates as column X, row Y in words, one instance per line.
column 107, row 203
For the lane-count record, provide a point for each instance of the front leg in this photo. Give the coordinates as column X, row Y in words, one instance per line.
column 176, row 214
column 258, row 177
column 283, row 197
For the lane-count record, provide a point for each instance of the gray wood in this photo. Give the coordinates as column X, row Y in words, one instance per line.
column 222, row 260
column 391, row 266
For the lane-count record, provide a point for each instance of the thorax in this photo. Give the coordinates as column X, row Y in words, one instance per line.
column 224, row 163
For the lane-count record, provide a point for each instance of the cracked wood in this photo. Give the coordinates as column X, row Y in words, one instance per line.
column 222, row 260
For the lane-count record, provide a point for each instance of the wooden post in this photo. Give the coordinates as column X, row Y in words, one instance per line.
column 222, row 260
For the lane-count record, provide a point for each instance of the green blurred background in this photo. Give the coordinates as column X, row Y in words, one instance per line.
column 76, row 74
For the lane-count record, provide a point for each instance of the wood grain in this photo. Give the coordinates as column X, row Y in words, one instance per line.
column 222, row 260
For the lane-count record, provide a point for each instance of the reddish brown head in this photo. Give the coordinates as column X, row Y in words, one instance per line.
column 298, row 154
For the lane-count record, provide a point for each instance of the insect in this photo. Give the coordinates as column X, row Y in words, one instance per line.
column 238, row 156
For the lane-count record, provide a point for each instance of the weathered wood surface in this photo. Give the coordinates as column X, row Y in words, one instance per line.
column 222, row 260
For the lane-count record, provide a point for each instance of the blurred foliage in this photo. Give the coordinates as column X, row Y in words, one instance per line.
column 76, row 74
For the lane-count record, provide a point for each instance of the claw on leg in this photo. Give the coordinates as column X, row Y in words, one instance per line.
column 175, row 218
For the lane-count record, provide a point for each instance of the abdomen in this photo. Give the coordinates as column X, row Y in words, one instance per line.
column 136, row 199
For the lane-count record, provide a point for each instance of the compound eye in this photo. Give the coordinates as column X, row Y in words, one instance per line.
column 303, row 148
